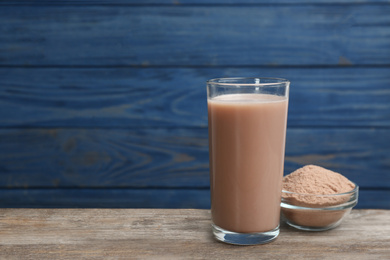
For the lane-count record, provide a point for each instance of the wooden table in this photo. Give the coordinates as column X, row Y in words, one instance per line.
column 176, row 234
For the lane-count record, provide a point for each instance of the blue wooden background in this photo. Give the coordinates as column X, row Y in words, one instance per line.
column 103, row 103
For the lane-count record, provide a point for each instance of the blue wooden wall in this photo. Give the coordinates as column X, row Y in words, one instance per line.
column 103, row 103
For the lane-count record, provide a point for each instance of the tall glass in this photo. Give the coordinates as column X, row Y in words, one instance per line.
column 247, row 120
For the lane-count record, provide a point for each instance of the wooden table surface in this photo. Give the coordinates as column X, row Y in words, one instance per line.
column 176, row 234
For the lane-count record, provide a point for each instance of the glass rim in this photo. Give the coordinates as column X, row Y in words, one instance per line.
column 241, row 81
column 353, row 191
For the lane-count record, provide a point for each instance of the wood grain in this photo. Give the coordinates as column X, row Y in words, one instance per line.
column 175, row 234
column 176, row 97
column 171, row 158
column 203, row 35
column 187, row 2
column 103, row 103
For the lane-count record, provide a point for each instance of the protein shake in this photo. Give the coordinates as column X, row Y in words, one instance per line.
column 247, row 144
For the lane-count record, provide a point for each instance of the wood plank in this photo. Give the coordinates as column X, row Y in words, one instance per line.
column 374, row 199
column 104, row 158
column 176, row 234
column 176, row 97
column 105, row 198
column 203, row 35
column 141, row 198
column 172, row 158
column 186, row 2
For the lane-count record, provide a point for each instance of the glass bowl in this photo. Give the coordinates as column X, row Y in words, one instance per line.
column 317, row 212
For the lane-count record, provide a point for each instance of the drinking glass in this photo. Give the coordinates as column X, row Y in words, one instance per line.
column 247, row 120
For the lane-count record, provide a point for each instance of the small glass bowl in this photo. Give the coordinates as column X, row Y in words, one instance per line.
column 317, row 212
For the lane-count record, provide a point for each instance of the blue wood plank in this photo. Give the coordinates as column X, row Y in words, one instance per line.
column 104, row 158
column 187, row 2
column 141, row 132
column 172, row 158
column 176, row 97
column 140, row 198
column 200, row 35
column 362, row 155
column 104, row 198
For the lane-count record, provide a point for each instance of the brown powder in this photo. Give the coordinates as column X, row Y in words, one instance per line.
column 315, row 180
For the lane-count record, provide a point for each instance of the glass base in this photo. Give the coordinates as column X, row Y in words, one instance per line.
column 244, row 238
column 310, row 228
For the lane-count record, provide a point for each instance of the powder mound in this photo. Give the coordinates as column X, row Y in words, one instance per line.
column 315, row 180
